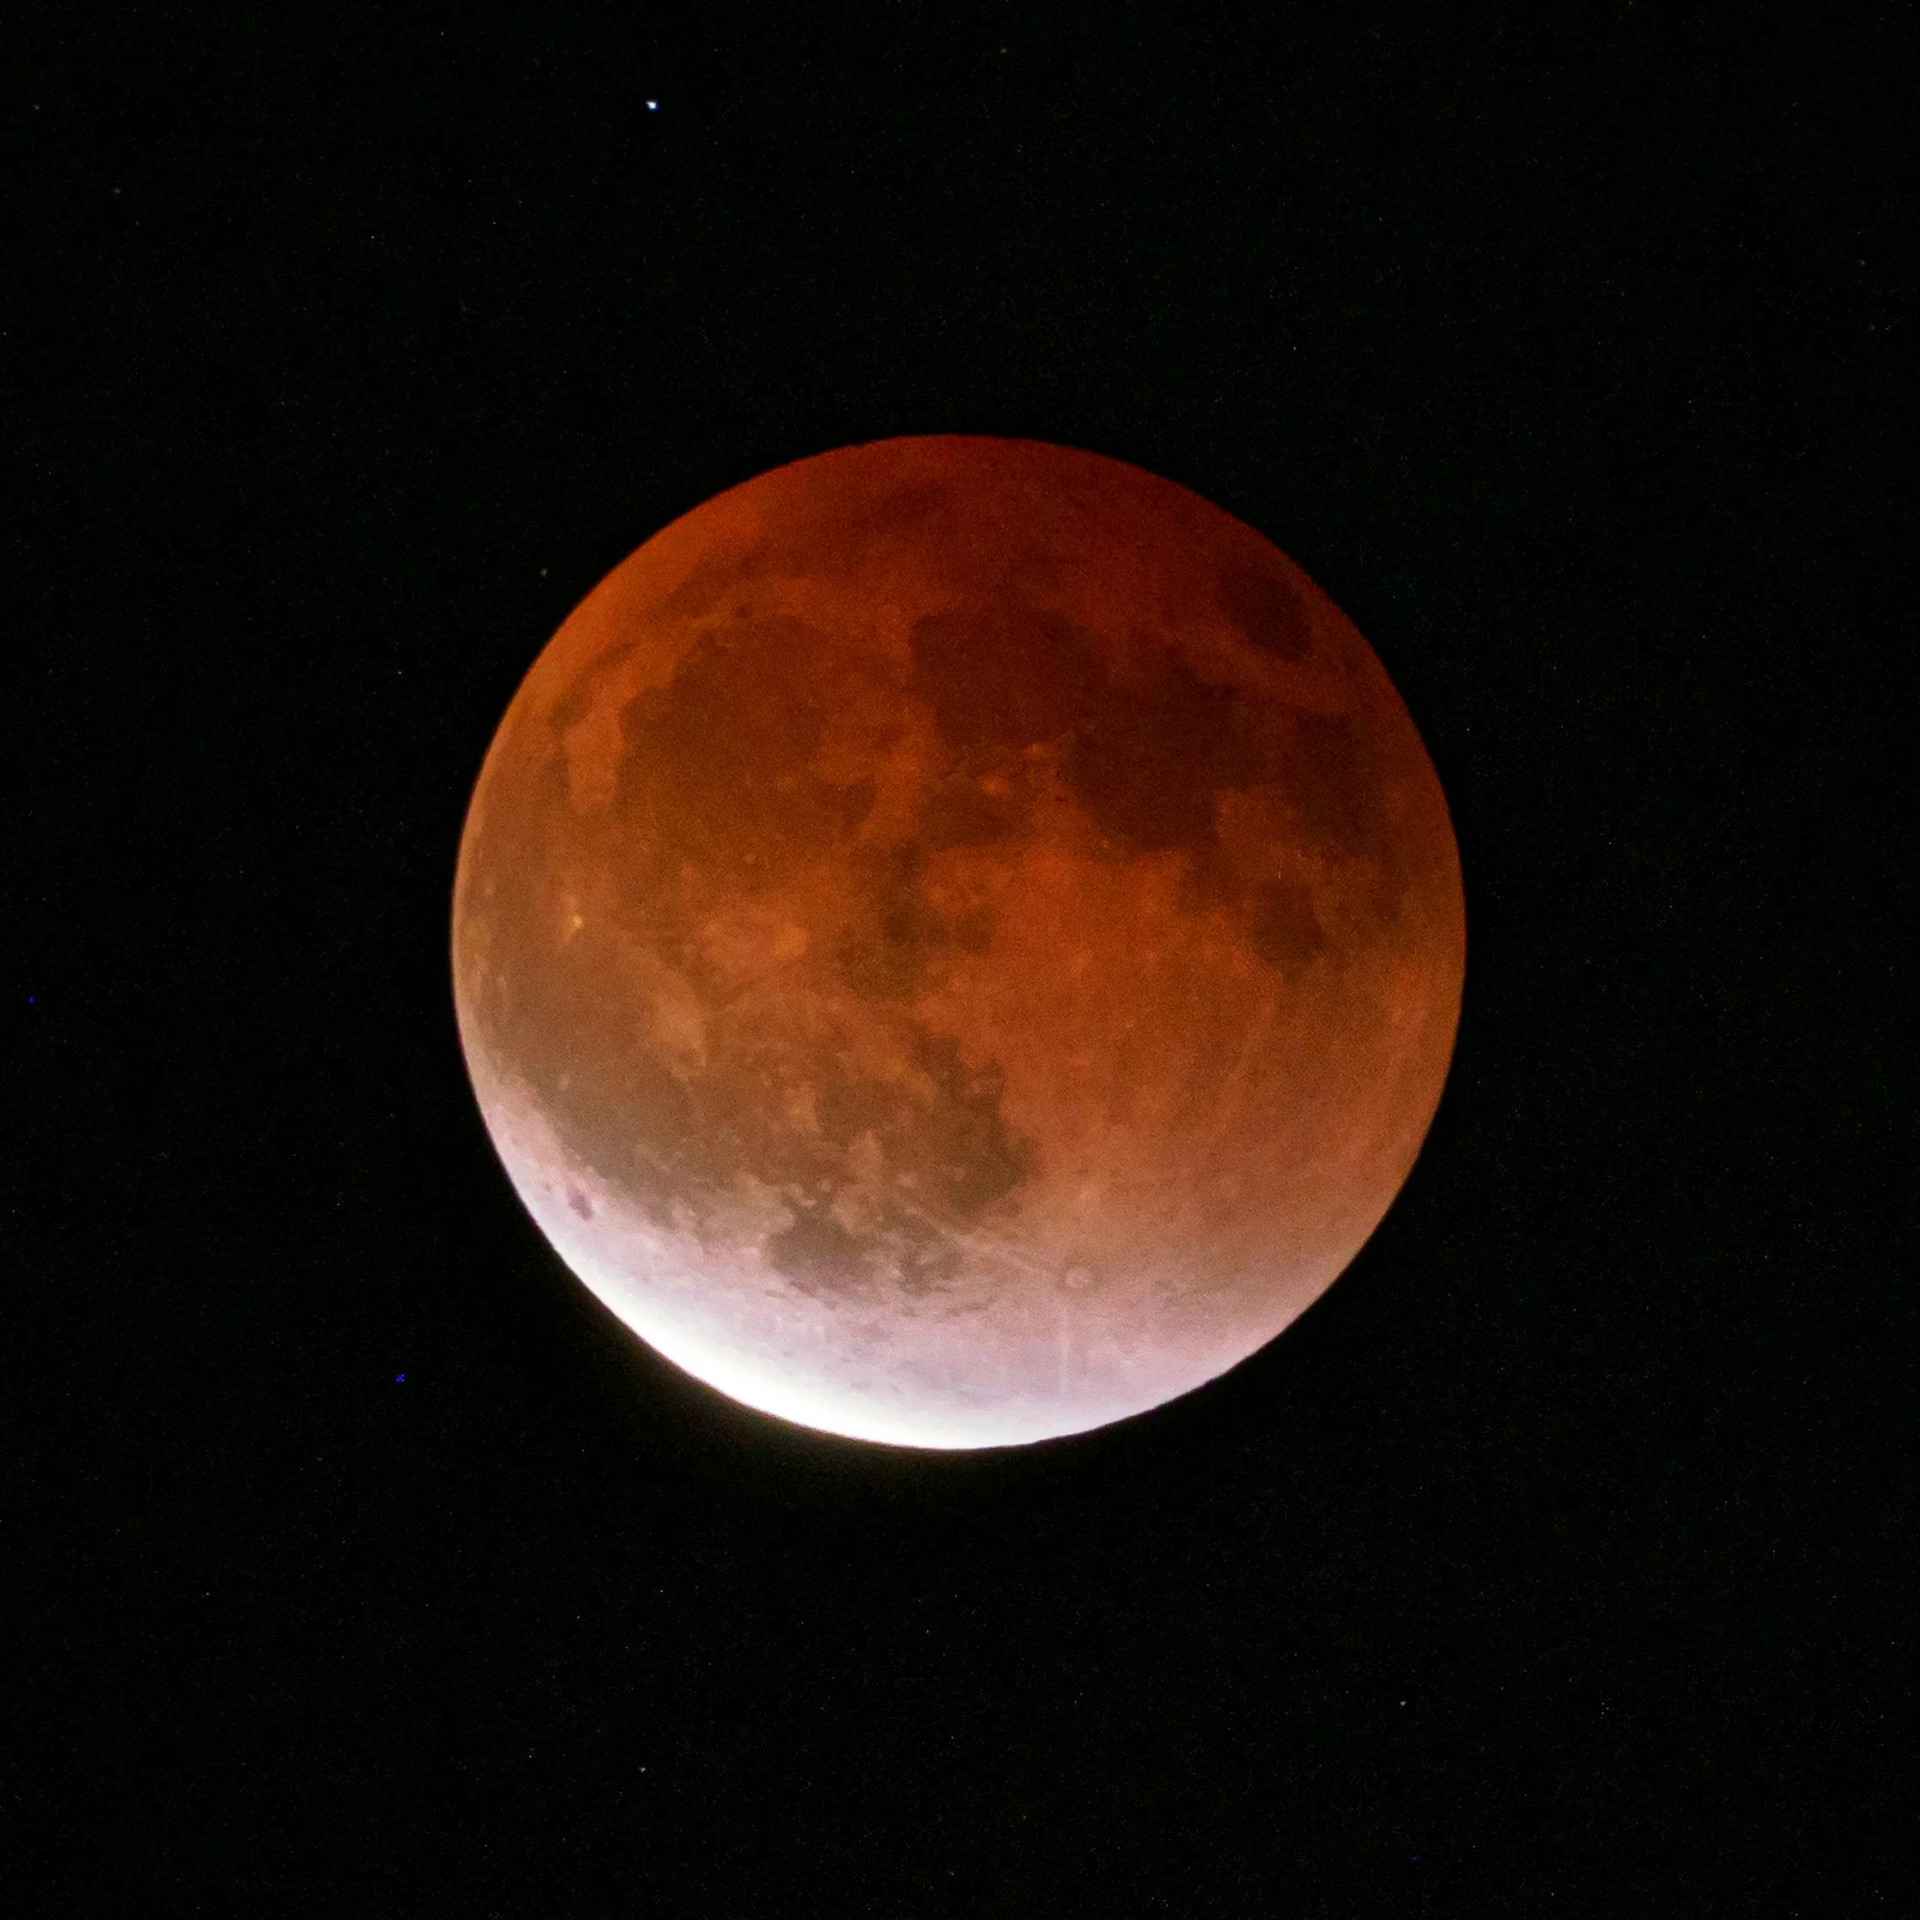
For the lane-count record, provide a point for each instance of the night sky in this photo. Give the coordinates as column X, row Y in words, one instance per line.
column 352, row 1559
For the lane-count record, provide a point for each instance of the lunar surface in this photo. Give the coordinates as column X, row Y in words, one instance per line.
column 957, row 941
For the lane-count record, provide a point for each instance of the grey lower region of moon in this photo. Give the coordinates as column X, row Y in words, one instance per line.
column 957, row 941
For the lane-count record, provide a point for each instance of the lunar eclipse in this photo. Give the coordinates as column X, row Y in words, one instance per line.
column 957, row 941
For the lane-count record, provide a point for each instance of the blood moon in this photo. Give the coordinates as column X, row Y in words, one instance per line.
column 957, row 941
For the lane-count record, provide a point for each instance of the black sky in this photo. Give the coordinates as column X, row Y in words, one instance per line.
column 1549, row 1565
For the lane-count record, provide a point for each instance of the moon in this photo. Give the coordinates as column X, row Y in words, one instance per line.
column 957, row 941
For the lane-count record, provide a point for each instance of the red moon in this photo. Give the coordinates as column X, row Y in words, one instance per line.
column 957, row 941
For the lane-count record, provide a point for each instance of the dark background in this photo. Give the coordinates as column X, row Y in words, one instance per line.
column 1549, row 1565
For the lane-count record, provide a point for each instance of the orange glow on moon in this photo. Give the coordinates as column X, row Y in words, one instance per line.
column 957, row 941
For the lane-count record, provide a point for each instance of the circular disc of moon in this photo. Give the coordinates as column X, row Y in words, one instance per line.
column 957, row 941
